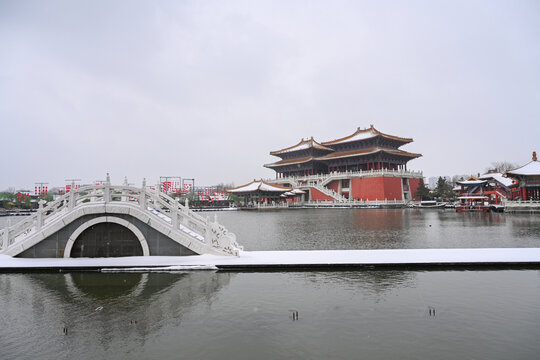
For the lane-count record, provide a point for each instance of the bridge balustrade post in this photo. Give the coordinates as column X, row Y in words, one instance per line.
column 158, row 190
column 40, row 215
column 107, row 190
column 142, row 196
column 174, row 215
column 71, row 202
column 124, row 197
column 5, row 237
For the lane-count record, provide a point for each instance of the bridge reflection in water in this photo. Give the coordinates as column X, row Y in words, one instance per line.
column 106, row 311
column 220, row 315
column 98, row 310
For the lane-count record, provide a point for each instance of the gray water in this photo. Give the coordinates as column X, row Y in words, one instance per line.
column 371, row 314
column 331, row 229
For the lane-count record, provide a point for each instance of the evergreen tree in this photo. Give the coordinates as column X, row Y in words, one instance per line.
column 423, row 192
column 443, row 189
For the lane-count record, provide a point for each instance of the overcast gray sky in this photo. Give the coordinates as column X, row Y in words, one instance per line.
column 206, row 89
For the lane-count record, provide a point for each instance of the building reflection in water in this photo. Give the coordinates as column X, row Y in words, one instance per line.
column 381, row 228
column 334, row 229
column 525, row 226
column 370, row 282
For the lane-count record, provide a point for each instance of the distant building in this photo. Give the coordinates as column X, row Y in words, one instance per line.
column 481, row 193
column 528, row 178
column 499, row 187
column 260, row 192
column 472, row 197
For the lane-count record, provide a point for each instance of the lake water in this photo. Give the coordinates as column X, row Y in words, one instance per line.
column 371, row 314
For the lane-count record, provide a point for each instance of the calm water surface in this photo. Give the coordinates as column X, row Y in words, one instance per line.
column 372, row 314
column 328, row 229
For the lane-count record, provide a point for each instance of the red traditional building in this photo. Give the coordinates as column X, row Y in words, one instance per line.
column 528, row 177
column 366, row 165
column 499, row 187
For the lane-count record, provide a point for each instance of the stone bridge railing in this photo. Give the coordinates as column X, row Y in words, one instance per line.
column 154, row 207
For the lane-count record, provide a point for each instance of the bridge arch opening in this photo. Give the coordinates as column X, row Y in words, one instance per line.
column 106, row 236
column 106, row 240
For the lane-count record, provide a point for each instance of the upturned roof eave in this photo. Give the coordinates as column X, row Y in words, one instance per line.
column 371, row 129
column 273, row 187
column 374, row 151
column 310, row 143
column 523, row 170
column 289, row 162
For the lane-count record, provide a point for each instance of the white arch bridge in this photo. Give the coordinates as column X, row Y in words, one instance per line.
column 150, row 218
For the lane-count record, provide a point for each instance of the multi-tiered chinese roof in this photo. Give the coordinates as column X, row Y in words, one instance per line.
column 365, row 149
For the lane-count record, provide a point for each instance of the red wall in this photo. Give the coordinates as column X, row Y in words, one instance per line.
column 414, row 184
column 376, row 188
column 333, row 185
column 316, row 195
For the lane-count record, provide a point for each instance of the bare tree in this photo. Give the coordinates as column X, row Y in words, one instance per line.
column 501, row 166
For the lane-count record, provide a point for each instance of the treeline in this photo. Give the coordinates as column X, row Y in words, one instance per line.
column 443, row 191
column 20, row 200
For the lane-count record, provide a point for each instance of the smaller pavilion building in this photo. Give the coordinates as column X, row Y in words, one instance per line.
column 259, row 192
column 499, row 187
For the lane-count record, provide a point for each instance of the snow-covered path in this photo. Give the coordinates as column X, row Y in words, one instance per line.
column 293, row 259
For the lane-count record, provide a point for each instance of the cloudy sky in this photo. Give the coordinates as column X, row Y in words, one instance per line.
column 206, row 89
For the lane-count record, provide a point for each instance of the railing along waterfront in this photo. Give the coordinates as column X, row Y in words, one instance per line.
column 330, row 192
column 521, row 205
column 353, row 203
column 327, row 203
column 168, row 212
column 325, row 178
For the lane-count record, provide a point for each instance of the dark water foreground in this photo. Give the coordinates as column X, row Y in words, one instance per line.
column 207, row 315
column 368, row 314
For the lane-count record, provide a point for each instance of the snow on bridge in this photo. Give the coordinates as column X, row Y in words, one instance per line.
column 131, row 207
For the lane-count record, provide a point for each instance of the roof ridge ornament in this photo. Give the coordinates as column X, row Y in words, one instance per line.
column 534, row 158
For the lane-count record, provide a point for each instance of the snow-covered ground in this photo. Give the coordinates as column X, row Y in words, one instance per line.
column 292, row 258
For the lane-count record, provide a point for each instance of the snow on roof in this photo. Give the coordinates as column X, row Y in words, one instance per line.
column 290, row 162
column 373, row 150
column 471, row 182
column 259, row 185
column 497, row 177
column 531, row 168
column 302, row 145
column 362, row 134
